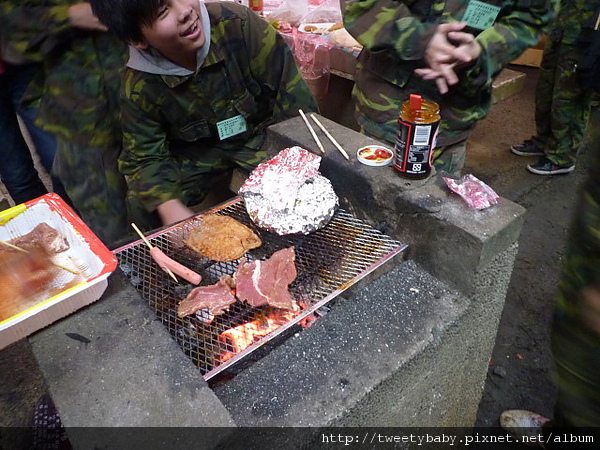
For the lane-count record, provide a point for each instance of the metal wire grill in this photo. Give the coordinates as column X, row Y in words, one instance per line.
column 327, row 261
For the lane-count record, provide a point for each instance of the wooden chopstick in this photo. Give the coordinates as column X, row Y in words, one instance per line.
column 312, row 131
column 14, row 247
column 137, row 230
column 331, row 138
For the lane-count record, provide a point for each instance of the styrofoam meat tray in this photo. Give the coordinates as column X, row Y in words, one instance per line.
column 87, row 256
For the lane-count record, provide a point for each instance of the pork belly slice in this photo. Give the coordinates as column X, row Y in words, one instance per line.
column 216, row 298
column 266, row 282
column 43, row 237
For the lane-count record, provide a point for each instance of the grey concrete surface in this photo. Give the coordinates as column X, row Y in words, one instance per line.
column 124, row 375
column 404, row 350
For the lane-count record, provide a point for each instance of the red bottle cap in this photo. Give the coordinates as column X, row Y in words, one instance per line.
column 415, row 101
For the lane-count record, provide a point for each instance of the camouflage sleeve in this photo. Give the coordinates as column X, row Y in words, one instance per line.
column 387, row 24
column 516, row 29
column 33, row 29
column 273, row 65
column 146, row 156
column 394, row 24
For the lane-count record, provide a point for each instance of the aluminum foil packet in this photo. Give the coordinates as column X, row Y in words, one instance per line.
column 288, row 195
column 474, row 192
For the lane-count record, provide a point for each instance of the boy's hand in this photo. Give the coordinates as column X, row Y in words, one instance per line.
column 173, row 211
column 590, row 308
column 448, row 49
column 81, row 16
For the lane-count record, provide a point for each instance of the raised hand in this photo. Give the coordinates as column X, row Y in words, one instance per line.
column 82, row 16
column 448, row 49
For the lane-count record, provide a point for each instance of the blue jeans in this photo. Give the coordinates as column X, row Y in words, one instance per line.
column 17, row 170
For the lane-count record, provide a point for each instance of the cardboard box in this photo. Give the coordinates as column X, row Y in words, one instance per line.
column 86, row 266
column 533, row 55
column 530, row 57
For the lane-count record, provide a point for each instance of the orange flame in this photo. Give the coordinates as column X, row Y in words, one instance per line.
column 240, row 337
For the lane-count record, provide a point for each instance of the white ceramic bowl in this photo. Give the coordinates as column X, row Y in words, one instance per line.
column 375, row 155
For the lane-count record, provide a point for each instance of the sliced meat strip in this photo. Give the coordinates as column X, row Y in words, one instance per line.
column 216, row 298
column 266, row 282
column 43, row 237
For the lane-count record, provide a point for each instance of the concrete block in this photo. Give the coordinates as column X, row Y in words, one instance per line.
column 404, row 351
column 446, row 237
column 131, row 374
column 507, row 83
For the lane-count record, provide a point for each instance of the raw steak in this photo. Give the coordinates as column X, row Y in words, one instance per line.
column 43, row 237
column 266, row 282
column 216, row 298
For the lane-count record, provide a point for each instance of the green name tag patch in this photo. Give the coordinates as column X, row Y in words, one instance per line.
column 231, row 127
column 480, row 15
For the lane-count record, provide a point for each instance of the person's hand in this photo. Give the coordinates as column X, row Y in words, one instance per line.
column 173, row 211
column 590, row 308
column 82, row 16
column 448, row 49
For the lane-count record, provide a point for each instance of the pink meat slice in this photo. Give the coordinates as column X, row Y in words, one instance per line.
column 217, row 298
column 266, row 282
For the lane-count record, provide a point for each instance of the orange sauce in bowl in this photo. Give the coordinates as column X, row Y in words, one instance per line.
column 375, row 154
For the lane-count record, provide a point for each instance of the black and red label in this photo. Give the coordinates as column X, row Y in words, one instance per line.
column 414, row 147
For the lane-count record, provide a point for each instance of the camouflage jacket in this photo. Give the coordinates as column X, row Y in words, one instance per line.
column 395, row 34
column 572, row 15
column 170, row 121
column 77, row 88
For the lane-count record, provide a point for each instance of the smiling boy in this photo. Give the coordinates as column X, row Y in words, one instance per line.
column 202, row 84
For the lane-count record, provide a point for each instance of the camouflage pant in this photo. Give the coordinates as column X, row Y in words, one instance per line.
column 562, row 107
column 575, row 343
column 450, row 158
column 96, row 188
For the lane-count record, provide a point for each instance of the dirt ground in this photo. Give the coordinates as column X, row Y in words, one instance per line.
column 520, row 371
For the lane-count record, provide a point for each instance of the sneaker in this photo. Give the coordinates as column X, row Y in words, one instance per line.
column 546, row 167
column 527, row 148
column 524, row 426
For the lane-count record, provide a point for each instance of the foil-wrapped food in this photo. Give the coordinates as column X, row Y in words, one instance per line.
column 288, row 195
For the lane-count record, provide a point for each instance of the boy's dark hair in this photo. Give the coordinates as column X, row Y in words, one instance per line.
column 127, row 17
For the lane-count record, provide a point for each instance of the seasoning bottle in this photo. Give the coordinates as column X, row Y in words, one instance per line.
column 256, row 5
column 418, row 124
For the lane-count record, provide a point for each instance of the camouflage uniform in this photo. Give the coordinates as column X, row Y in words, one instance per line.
column 562, row 107
column 395, row 35
column 171, row 145
column 77, row 91
column 575, row 347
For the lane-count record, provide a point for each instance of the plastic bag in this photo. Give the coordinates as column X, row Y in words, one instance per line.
column 312, row 56
column 328, row 11
column 475, row 192
column 290, row 11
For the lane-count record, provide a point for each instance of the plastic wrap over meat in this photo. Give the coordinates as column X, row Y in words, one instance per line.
column 288, row 195
column 475, row 192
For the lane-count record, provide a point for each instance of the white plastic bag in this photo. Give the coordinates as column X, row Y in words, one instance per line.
column 328, row 11
column 473, row 191
column 290, row 11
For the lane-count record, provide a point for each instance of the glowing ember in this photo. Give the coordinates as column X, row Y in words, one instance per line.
column 238, row 338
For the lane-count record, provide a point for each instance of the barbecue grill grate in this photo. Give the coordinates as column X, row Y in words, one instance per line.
column 327, row 261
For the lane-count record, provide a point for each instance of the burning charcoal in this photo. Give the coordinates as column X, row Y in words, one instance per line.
column 204, row 316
